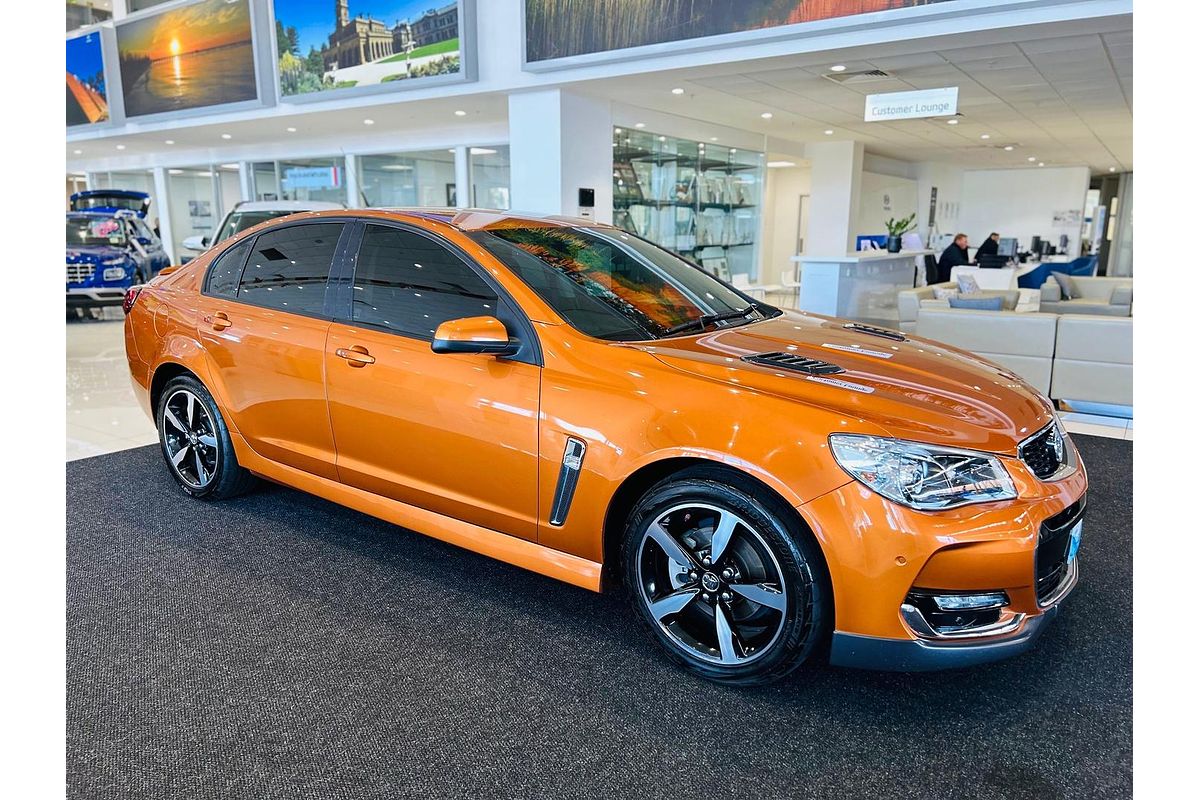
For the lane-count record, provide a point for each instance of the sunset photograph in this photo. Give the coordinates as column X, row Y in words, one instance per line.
column 190, row 57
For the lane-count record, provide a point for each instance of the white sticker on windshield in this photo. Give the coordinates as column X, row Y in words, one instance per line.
column 854, row 387
column 851, row 349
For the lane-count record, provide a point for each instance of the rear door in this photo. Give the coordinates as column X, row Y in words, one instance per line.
column 264, row 322
column 454, row 434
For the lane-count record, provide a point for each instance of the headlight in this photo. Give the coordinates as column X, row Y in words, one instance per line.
column 921, row 476
column 110, row 262
column 114, row 274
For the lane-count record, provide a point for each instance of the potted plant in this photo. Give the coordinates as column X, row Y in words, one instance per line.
column 896, row 229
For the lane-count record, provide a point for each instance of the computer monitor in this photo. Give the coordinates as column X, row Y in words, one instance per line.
column 1036, row 245
column 1008, row 247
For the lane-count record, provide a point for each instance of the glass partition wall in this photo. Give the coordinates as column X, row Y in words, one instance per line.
column 420, row 179
column 701, row 200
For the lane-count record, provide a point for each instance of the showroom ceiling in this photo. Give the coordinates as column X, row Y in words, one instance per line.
column 1058, row 100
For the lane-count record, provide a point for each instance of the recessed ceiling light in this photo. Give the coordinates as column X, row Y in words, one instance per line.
column 775, row 164
column 951, row 122
column 291, row 130
column 1009, row 148
column 838, row 68
column 175, row 171
column 733, row 150
column 169, row 141
column 712, row 139
column 1041, row 163
column 226, row 136
column 617, row 130
column 766, row 115
column 368, row 122
column 677, row 90
column 78, row 152
column 829, row 133
column 639, row 125
column 120, row 147
column 482, row 151
column 1110, row 169
column 460, row 113
column 985, row 136
column 1032, row 158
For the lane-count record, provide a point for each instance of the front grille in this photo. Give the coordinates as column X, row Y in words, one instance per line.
column 78, row 273
column 1044, row 452
column 1051, row 567
column 809, row 366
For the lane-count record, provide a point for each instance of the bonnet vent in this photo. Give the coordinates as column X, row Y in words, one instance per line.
column 882, row 333
column 809, row 366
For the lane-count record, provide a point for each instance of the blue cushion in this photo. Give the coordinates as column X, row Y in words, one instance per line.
column 978, row 303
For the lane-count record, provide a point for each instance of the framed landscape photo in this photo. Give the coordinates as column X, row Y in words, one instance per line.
column 187, row 57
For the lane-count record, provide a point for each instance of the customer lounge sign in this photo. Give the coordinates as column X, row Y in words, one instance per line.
column 912, row 105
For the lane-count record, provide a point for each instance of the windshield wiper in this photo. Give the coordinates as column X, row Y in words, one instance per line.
column 704, row 320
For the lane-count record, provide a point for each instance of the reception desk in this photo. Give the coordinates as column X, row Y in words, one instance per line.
column 858, row 286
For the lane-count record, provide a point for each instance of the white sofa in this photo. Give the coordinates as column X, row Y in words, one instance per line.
column 1093, row 361
column 910, row 302
column 1023, row 343
column 1109, row 297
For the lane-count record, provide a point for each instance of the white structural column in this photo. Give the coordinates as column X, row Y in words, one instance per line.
column 560, row 142
column 164, row 213
column 246, row 180
column 462, row 177
column 354, row 197
column 836, row 181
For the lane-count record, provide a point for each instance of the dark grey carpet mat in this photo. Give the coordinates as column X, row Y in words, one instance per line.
column 279, row 646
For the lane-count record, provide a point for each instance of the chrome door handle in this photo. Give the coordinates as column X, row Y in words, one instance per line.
column 356, row 356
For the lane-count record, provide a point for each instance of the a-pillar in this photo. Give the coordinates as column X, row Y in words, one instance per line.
column 560, row 142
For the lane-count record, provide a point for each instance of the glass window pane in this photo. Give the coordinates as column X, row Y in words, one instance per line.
column 223, row 274
column 412, row 284
column 313, row 179
column 87, row 12
column 289, row 267
column 490, row 177
column 421, row 179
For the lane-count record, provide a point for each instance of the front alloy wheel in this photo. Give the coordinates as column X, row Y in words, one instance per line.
column 725, row 577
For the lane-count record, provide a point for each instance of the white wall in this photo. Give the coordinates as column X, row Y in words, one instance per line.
column 1022, row 203
column 883, row 197
column 948, row 180
column 781, row 216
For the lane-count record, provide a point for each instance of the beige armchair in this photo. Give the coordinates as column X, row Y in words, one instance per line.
column 1093, row 360
column 1108, row 297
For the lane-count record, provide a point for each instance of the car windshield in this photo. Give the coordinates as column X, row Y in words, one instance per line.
column 109, row 201
column 84, row 231
column 612, row 285
column 239, row 221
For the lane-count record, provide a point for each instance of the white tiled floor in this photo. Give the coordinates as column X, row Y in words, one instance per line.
column 102, row 413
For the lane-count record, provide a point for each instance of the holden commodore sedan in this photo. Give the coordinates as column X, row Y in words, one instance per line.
column 763, row 485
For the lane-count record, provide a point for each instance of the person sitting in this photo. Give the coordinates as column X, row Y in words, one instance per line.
column 990, row 247
column 953, row 256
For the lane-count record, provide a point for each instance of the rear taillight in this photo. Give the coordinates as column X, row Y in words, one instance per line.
column 131, row 296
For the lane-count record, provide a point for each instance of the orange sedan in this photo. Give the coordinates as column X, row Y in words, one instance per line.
column 762, row 484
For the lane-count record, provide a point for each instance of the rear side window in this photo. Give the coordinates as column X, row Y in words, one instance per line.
column 289, row 267
column 412, row 284
column 223, row 274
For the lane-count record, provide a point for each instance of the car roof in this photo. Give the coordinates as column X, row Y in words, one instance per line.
column 287, row 205
column 111, row 193
column 476, row 219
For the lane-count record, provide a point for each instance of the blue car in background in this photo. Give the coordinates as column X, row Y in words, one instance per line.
column 107, row 252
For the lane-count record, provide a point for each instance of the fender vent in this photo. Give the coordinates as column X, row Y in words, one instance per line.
column 809, row 366
column 882, row 333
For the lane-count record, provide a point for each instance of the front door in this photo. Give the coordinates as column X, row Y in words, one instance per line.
column 454, row 434
column 263, row 322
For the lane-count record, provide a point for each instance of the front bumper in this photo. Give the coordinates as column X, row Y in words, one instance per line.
column 885, row 561
column 95, row 297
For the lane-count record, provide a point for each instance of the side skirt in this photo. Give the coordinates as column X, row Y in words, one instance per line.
column 509, row 549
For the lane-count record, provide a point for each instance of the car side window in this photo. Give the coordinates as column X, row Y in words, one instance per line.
column 289, row 267
column 411, row 283
column 224, row 273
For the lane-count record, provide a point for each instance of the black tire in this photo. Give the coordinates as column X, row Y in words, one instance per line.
column 767, row 549
column 207, row 468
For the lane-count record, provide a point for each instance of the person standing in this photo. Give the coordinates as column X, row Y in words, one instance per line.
column 953, row 256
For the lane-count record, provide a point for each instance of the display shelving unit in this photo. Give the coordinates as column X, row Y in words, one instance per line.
column 699, row 199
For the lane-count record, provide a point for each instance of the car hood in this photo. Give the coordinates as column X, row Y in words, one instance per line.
column 93, row 255
column 913, row 388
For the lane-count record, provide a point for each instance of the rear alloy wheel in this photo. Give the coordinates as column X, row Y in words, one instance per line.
column 195, row 442
column 723, row 583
